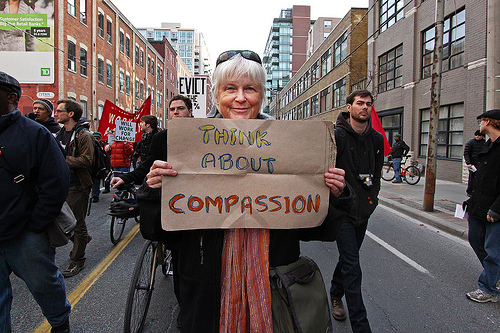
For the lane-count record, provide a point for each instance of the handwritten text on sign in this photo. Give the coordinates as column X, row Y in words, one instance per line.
column 246, row 174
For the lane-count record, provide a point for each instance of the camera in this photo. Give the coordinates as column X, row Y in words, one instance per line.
column 366, row 180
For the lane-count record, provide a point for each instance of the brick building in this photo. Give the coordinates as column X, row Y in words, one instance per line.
column 99, row 55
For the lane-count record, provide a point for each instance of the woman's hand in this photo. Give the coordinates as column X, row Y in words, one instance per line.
column 158, row 169
column 335, row 180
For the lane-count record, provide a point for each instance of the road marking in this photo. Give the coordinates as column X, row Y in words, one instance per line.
column 83, row 287
column 398, row 254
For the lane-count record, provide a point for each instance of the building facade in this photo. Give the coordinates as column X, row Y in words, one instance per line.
column 400, row 67
column 99, row 55
column 319, row 88
column 319, row 32
column 189, row 44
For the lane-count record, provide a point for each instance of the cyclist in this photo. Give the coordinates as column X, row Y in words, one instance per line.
column 399, row 149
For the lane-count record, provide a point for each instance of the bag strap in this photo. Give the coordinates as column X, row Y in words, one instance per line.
column 18, row 178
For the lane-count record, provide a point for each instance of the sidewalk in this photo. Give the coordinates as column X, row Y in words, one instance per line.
column 408, row 199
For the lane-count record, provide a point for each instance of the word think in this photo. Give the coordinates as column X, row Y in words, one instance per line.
column 233, row 136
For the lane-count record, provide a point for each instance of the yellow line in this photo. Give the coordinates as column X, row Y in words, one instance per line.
column 83, row 287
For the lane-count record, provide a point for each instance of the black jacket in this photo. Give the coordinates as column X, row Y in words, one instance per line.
column 50, row 123
column 31, row 150
column 399, row 149
column 472, row 149
column 360, row 154
column 200, row 251
column 485, row 194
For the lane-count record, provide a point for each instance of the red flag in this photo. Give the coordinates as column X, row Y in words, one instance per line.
column 111, row 113
column 377, row 125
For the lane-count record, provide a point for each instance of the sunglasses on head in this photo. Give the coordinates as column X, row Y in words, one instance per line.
column 249, row 55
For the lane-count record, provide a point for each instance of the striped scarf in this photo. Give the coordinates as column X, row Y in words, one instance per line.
column 245, row 287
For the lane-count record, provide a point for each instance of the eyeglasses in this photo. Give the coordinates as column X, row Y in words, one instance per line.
column 249, row 55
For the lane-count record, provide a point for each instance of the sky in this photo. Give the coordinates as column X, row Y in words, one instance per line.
column 227, row 25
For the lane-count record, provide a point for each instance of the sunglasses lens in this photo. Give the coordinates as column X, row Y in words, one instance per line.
column 249, row 55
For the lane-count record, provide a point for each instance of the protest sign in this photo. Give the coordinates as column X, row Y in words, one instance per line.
column 125, row 130
column 247, row 174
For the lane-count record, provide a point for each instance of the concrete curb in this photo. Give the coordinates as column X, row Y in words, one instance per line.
column 427, row 218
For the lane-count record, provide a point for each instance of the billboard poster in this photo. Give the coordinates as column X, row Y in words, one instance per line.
column 196, row 89
column 27, row 40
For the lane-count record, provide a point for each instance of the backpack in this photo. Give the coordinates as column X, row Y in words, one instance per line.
column 99, row 160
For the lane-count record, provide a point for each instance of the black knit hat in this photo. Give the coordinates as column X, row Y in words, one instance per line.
column 45, row 102
column 10, row 83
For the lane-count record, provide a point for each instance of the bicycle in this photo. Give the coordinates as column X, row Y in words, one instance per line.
column 410, row 174
column 152, row 255
column 123, row 207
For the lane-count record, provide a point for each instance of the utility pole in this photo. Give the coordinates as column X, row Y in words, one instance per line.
column 493, row 56
column 430, row 176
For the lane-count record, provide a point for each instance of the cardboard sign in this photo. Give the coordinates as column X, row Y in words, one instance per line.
column 125, row 130
column 247, row 174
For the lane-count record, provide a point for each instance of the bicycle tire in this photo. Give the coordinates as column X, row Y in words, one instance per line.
column 116, row 228
column 388, row 172
column 412, row 175
column 141, row 289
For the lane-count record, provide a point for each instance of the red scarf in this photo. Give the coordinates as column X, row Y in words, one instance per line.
column 245, row 287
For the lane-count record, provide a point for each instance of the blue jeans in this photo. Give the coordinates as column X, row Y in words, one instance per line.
column 96, row 189
column 30, row 257
column 347, row 275
column 122, row 169
column 484, row 237
column 397, row 167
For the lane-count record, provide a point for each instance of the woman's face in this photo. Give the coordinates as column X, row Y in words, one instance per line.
column 239, row 98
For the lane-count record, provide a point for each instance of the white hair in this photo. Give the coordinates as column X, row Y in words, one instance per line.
column 235, row 68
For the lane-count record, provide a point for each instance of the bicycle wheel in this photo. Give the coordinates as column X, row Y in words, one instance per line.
column 166, row 264
column 412, row 175
column 388, row 172
column 116, row 228
column 141, row 289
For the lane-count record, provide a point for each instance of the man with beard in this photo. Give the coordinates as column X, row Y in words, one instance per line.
column 360, row 152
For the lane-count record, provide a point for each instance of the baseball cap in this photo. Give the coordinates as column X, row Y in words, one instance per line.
column 10, row 83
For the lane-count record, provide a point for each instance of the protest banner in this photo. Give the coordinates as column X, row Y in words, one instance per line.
column 247, row 174
column 196, row 89
column 125, row 130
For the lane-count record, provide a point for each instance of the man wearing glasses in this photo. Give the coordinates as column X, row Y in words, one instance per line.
column 483, row 207
column 76, row 138
column 34, row 180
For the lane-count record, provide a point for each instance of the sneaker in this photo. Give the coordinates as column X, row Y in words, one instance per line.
column 397, row 181
column 64, row 328
column 95, row 199
column 73, row 269
column 481, row 296
column 338, row 310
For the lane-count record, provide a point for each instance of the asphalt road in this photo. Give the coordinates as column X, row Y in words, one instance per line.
column 414, row 280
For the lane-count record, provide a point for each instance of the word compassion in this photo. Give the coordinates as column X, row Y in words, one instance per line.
column 235, row 137
column 298, row 205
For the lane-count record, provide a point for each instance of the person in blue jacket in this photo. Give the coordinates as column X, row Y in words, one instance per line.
column 29, row 153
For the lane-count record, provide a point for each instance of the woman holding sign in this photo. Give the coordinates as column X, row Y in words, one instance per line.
column 224, row 274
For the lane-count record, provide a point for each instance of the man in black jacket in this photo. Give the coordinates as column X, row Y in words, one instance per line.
column 399, row 149
column 360, row 152
column 42, row 113
column 484, row 210
column 471, row 151
column 29, row 155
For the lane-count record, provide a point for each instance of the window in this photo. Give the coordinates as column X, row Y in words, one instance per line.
column 328, row 23
column 142, row 90
column 299, row 112
column 305, row 107
column 71, row 56
column 326, row 62
column 315, row 72
column 109, row 75
column 314, row 105
column 453, row 44
column 324, row 102
column 392, row 122
column 152, row 67
column 127, row 84
column 149, row 65
column 83, row 61
column 122, row 41
column 109, row 27
column 136, row 89
column 100, row 108
column 450, row 131
column 340, row 49
column 142, row 58
column 71, row 7
column 83, row 11
column 122, row 81
column 100, row 70
column 84, row 107
column 390, row 72
column 127, row 46
column 100, row 24
column 339, row 93
column 391, row 11
column 137, row 55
